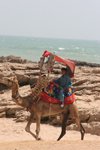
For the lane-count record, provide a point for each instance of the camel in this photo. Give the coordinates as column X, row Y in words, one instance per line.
column 42, row 109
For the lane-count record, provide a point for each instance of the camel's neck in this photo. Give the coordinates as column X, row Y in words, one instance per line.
column 19, row 100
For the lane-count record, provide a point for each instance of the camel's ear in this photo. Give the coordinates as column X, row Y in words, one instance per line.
column 15, row 78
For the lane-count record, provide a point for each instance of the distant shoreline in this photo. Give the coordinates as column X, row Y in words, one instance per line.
column 83, row 63
column 49, row 38
column 15, row 59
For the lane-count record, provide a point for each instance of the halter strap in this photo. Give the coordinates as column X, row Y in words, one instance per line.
column 16, row 97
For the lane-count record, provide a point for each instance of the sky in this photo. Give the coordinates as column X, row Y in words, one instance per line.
column 68, row 19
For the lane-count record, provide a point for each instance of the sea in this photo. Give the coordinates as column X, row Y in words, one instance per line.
column 32, row 48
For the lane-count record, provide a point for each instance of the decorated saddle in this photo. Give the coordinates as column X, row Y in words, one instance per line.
column 52, row 94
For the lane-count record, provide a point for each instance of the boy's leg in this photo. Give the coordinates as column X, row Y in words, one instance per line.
column 61, row 97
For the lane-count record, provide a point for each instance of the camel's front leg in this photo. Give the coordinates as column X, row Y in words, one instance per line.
column 38, row 118
column 27, row 129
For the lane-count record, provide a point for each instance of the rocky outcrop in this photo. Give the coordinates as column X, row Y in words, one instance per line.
column 12, row 59
column 7, row 107
column 92, row 127
column 82, row 63
column 22, row 115
column 86, row 85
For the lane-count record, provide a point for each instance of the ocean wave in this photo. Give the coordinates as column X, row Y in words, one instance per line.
column 32, row 48
column 56, row 52
column 82, row 49
column 96, row 55
column 76, row 47
column 61, row 48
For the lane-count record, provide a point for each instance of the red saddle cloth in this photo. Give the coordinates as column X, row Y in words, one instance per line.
column 68, row 100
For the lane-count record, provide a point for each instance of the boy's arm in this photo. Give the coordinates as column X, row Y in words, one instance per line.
column 58, row 80
column 68, row 82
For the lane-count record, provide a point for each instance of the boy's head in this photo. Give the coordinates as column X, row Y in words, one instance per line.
column 44, row 76
column 64, row 71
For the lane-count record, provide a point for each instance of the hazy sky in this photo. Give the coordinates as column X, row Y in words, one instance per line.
column 70, row 19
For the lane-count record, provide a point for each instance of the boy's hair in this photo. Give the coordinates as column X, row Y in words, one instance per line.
column 65, row 69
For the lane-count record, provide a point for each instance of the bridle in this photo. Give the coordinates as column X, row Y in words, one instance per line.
column 11, row 82
column 17, row 93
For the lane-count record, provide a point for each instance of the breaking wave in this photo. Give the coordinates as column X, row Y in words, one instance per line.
column 61, row 48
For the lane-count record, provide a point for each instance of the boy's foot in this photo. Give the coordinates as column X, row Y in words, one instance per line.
column 62, row 105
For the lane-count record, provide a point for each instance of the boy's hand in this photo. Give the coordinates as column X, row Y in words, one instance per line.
column 51, row 82
column 64, row 88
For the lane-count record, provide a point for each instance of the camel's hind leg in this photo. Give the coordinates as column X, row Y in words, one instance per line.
column 74, row 114
column 63, row 132
column 82, row 130
column 27, row 129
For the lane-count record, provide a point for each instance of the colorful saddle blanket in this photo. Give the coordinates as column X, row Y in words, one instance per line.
column 52, row 94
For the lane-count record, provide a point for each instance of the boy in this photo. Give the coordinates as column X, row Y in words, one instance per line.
column 64, row 82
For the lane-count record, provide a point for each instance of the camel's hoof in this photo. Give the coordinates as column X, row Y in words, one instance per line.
column 39, row 139
column 27, row 129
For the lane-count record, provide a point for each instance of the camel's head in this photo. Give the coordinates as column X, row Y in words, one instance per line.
column 11, row 81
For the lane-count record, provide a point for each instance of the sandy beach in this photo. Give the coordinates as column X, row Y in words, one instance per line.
column 14, row 137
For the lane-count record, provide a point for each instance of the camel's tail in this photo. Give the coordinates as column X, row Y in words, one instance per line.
column 86, row 120
column 70, row 121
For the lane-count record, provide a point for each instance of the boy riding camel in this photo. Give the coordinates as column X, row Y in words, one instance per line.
column 64, row 82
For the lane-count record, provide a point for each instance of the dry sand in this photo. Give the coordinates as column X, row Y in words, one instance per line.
column 14, row 137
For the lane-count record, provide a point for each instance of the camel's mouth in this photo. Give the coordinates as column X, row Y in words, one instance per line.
column 13, row 78
column 9, row 81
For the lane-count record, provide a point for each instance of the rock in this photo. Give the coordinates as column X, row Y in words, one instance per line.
column 25, row 90
column 33, row 79
column 12, row 110
column 22, row 115
column 96, row 70
column 95, row 89
column 13, row 67
column 87, row 87
column 1, row 75
column 56, row 71
column 95, row 81
column 12, row 59
column 54, row 77
column 80, row 63
column 3, row 114
column 3, row 87
column 80, row 82
column 32, row 72
column 93, row 127
column 92, row 109
column 2, row 92
column 22, row 79
column 58, row 66
column 97, row 98
column 32, row 66
column 3, row 102
column 3, row 109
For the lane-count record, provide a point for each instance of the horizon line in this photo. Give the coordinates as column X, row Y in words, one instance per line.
column 48, row 37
